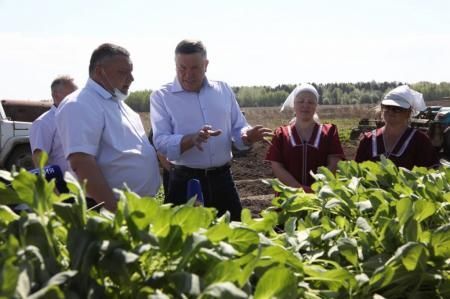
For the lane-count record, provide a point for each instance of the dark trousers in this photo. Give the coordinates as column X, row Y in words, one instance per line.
column 218, row 188
column 165, row 177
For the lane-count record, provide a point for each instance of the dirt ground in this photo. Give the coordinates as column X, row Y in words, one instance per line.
column 249, row 170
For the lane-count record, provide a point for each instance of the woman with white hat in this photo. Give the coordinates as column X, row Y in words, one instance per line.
column 396, row 140
column 303, row 145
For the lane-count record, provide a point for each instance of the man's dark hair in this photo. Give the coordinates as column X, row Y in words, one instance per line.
column 104, row 52
column 189, row 46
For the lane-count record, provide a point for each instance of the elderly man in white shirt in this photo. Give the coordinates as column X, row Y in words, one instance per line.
column 195, row 121
column 43, row 134
column 102, row 137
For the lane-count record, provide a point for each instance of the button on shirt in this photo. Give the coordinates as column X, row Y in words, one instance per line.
column 43, row 136
column 175, row 113
column 94, row 122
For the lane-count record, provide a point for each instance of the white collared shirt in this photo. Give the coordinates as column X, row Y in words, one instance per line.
column 92, row 121
column 175, row 113
column 43, row 136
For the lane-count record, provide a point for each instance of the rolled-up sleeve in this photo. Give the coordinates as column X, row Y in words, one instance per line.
column 164, row 139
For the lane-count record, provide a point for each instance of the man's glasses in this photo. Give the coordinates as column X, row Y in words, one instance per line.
column 394, row 109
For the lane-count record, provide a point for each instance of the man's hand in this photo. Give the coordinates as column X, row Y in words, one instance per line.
column 86, row 168
column 163, row 161
column 257, row 133
column 203, row 135
column 197, row 139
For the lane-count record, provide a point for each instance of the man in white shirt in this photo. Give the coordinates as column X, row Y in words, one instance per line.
column 43, row 135
column 194, row 122
column 102, row 137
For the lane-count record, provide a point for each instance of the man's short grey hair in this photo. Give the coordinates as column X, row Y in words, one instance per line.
column 61, row 81
column 190, row 46
column 105, row 51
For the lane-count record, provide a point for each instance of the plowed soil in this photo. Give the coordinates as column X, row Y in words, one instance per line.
column 250, row 169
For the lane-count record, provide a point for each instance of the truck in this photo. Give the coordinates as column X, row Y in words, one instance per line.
column 16, row 117
column 434, row 121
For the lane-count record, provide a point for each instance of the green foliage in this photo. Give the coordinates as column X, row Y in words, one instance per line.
column 371, row 230
column 331, row 94
column 139, row 101
column 335, row 93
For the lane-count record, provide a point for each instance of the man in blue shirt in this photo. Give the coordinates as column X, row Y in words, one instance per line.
column 194, row 122
column 43, row 135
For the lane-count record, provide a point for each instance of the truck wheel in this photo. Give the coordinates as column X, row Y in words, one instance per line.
column 446, row 143
column 21, row 157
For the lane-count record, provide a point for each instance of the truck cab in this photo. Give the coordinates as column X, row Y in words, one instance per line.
column 15, row 122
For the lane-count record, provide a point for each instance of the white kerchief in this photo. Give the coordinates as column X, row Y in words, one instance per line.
column 289, row 102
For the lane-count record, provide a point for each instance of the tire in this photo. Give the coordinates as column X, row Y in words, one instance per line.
column 446, row 143
column 21, row 157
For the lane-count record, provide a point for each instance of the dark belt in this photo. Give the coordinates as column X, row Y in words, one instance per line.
column 202, row 171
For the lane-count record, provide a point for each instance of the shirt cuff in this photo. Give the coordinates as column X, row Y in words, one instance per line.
column 173, row 148
column 238, row 142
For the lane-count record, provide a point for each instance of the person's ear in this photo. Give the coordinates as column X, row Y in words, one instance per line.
column 54, row 94
column 98, row 70
column 206, row 64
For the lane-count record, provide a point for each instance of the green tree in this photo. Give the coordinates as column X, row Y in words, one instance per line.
column 139, row 101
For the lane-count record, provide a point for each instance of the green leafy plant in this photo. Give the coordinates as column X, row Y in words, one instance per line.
column 370, row 230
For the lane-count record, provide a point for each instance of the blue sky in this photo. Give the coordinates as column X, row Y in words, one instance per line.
column 249, row 42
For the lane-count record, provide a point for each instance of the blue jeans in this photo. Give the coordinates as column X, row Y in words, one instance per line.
column 218, row 188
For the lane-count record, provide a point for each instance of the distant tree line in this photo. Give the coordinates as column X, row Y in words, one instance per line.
column 330, row 94
column 139, row 100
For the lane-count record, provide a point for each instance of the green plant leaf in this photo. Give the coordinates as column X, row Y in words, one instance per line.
column 363, row 225
column 413, row 255
column 48, row 292
column 223, row 290
column 348, row 249
column 331, row 234
column 9, row 276
column 7, row 195
column 411, row 230
column 223, row 271
column 7, row 215
column 277, row 282
column 440, row 240
column 404, row 210
column 218, row 232
column 185, row 283
column 191, row 219
column 243, row 239
column 423, row 209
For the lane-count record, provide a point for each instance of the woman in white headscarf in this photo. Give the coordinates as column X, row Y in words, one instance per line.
column 304, row 144
column 396, row 140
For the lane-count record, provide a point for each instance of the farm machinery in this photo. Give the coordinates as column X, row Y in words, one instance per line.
column 434, row 121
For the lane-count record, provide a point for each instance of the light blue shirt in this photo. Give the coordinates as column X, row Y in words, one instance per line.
column 94, row 122
column 43, row 136
column 175, row 113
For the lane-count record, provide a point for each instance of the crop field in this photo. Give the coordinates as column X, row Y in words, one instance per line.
column 370, row 231
column 248, row 170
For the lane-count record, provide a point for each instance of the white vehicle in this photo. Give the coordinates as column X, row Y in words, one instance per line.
column 15, row 122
